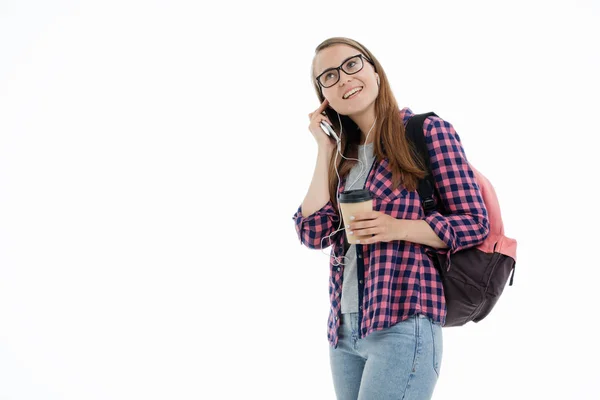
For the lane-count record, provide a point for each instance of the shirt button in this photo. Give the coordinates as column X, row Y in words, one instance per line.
column 338, row 268
column 360, row 256
column 360, row 281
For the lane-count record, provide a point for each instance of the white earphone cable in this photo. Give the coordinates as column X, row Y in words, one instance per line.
column 336, row 262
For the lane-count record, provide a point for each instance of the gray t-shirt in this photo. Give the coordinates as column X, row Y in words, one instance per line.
column 355, row 180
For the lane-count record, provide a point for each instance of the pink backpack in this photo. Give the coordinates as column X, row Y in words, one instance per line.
column 473, row 278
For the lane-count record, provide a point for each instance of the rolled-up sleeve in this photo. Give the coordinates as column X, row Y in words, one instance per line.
column 465, row 220
column 314, row 229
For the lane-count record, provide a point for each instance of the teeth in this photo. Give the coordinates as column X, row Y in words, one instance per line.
column 350, row 93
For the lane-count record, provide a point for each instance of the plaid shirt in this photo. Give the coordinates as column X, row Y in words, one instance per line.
column 397, row 279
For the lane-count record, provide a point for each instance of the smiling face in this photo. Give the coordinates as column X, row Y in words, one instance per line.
column 354, row 93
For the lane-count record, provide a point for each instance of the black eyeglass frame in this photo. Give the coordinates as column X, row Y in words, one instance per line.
column 339, row 69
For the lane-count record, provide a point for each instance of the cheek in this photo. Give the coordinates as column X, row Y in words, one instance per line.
column 371, row 93
column 375, row 90
column 336, row 103
column 367, row 97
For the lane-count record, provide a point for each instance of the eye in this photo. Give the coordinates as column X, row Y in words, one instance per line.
column 329, row 76
column 353, row 65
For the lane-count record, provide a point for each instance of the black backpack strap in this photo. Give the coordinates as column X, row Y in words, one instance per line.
column 414, row 133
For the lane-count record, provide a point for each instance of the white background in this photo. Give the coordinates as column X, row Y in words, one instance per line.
column 152, row 154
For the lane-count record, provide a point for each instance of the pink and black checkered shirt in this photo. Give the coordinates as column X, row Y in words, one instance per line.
column 397, row 279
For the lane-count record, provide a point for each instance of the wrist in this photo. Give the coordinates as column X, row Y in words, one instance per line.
column 325, row 149
column 400, row 231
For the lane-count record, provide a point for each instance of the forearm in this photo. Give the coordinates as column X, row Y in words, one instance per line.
column 318, row 191
column 418, row 231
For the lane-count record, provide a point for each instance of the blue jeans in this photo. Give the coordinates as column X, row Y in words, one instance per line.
column 399, row 362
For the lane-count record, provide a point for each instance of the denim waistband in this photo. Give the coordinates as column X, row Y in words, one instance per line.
column 355, row 315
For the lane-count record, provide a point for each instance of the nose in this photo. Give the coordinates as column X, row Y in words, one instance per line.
column 344, row 77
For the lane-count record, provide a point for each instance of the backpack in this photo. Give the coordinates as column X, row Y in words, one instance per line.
column 473, row 278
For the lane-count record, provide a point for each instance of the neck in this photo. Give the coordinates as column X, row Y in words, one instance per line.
column 365, row 121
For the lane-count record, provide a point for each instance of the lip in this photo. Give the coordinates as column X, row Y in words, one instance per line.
column 349, row 90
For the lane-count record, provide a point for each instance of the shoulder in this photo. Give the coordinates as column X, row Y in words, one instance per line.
column 430, row 122
column 436, row 122
column 435, row 128
column 405, row 114
column 438, row 129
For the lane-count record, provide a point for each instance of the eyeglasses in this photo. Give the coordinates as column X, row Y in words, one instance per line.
column 350, row 66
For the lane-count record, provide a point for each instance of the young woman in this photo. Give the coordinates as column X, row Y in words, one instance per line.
column 387, row 303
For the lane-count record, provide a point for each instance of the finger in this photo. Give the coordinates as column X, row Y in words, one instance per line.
column 367, row 231
column 364, row 224
column 317, row 117
column 365, row 215
column 371, row 240
column 323, row 106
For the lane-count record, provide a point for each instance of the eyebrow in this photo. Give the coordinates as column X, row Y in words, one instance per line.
column 327, row 69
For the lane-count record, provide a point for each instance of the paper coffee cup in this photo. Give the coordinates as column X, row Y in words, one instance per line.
column 351, row 202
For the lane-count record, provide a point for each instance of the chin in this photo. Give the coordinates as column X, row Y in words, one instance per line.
column 354, row 108
column 357, row 109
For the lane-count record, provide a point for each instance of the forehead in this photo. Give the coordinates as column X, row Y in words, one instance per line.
column 333, row 56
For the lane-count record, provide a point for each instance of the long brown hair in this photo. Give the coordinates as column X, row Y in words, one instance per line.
column 389, row 134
